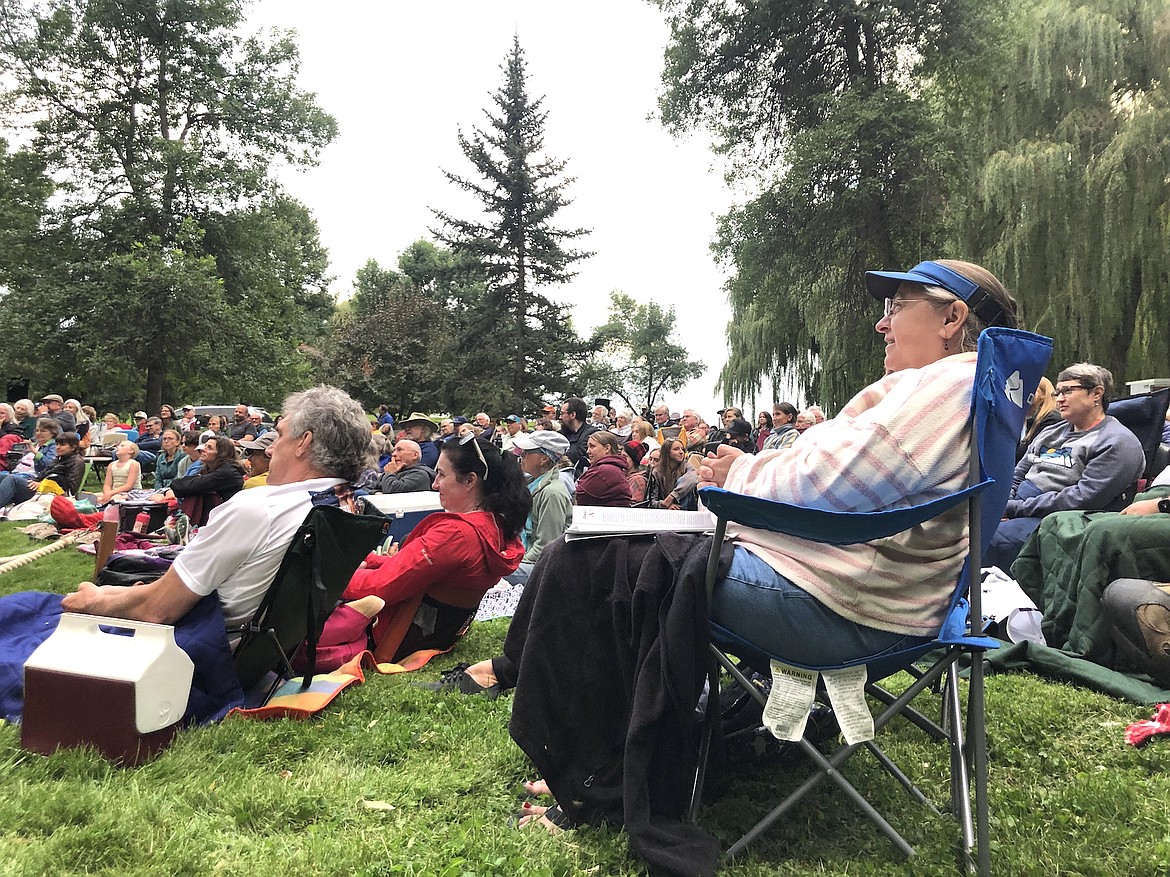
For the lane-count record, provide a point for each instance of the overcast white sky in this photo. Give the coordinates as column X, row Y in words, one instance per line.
column 402, row 78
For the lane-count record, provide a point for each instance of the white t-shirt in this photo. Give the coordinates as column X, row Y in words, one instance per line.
column 238, row 551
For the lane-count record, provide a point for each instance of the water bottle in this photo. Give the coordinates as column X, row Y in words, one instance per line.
column 141, row 522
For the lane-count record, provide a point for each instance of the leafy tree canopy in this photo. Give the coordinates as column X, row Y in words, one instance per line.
column 637, row 356
column 156, row 125
column 817, row 107
column 1070, row 205
column 391, row 345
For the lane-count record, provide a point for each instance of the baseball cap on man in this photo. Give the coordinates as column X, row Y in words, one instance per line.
column 53, row 397
column 261, row 443
column 514, row 418
column 140, row 415
column 739, row 426
column 552, row 444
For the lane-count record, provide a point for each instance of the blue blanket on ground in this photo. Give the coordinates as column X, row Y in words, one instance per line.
column 27, row 619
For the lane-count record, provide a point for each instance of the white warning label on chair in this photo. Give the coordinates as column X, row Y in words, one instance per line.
column 846, row 688
column 793, row 690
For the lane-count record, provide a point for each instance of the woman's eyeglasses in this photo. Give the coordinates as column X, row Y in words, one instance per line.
column 893, row 305
column 471, row 437
column 1069, row 390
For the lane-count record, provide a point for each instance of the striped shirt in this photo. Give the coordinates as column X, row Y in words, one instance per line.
column 899, row 442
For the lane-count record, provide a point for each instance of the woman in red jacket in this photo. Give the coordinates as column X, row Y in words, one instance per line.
column 451, row 558
column 606, row 481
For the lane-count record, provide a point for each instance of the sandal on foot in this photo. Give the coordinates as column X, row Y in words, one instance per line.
column 458, row 679
column 553, row 820
column 536, row 788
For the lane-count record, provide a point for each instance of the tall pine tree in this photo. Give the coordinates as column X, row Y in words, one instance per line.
column 517, row 343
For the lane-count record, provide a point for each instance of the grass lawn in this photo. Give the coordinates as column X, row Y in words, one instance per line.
column 392, row 780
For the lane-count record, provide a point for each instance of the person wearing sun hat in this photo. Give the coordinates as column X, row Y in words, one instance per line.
column 419, row 427
column 256, row 458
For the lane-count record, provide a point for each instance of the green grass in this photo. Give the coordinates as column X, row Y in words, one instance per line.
column 392, row 780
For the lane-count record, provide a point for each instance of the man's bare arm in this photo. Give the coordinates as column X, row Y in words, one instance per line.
column 163, row 601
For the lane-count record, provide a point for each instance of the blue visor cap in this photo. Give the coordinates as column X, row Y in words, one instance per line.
column 884, row 284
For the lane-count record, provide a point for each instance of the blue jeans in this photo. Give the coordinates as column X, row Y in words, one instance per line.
column 13, row 488
column 520, row 577
column 1011, row 534
column 763, row 607
column 1007, row 541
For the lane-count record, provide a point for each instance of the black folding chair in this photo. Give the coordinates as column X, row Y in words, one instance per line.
column 1144, row 416
column 325, row 552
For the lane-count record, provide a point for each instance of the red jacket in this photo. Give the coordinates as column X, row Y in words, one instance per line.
column 460, row 555
column 605, row 483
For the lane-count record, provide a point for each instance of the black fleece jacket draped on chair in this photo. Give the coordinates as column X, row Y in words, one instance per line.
column 610, row 639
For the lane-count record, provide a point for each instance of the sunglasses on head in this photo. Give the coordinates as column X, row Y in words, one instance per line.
column 471, row 437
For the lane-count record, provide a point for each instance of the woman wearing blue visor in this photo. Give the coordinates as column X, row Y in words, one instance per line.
column 901, row 441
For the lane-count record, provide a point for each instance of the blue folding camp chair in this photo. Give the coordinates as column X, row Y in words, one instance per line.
column 1010, row 363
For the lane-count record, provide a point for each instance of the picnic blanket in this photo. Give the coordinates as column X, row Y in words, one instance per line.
column 27, row 619
column 1061, row 666
column 293, row 701
column 1069, row 561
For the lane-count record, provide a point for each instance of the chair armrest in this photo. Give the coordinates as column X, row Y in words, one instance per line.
column 820, row 525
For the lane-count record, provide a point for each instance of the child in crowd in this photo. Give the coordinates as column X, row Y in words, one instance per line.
column 67, row 470
column 123, row 475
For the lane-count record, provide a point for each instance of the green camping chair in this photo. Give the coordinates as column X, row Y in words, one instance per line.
column 324, row 554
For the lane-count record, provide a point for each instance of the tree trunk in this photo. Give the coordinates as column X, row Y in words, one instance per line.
column 156, row 375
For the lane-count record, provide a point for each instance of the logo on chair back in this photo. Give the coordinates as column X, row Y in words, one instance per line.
column 1013, row 388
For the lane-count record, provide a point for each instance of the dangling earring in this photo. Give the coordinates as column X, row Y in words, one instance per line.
column 946, row 343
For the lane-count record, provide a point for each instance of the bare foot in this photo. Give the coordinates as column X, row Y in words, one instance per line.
column 537, row 787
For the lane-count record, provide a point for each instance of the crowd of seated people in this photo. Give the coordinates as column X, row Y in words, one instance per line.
column 125, row 451
column 1073, row 455
column 508, row 485
column 1076, row 474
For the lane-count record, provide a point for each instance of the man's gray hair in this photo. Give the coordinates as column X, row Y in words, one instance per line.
column 1090, row 375
column 340, row 428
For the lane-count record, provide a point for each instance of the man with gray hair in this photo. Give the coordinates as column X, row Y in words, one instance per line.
column 256, row 427
column 320, row 446
column 484, row 422
column 691, row 422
